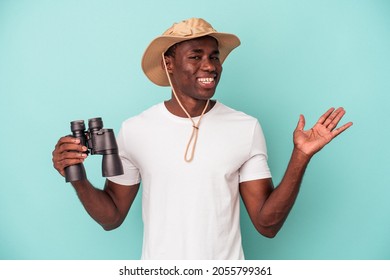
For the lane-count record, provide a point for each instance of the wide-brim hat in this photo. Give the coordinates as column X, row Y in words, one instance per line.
column 179, row 32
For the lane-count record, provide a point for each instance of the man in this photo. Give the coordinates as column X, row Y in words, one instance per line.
column 195, row 156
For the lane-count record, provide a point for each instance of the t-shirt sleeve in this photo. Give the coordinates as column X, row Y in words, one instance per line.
column 256, row 167
column 131, row 174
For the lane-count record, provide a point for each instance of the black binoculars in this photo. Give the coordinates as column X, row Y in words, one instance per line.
column 99, row 141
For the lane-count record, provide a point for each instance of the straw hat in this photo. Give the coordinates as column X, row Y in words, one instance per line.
column 179, row 32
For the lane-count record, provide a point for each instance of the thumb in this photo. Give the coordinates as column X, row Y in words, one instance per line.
column 301, row 123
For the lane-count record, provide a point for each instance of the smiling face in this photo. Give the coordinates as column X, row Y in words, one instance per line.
column 195, row 68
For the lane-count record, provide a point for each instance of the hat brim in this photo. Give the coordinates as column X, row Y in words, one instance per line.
column 151, row 60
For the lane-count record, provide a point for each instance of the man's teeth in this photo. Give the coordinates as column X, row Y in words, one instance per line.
column 206, row 80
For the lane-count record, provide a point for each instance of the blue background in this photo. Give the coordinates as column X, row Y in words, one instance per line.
column 66, row 60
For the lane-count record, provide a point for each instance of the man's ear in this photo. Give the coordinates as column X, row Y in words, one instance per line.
column 168, row 62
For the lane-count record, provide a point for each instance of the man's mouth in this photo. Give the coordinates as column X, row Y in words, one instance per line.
column 206, row 81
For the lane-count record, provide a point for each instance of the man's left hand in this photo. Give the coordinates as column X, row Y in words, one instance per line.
column 313, row 140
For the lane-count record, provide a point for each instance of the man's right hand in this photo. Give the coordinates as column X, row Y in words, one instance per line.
column 68, row 151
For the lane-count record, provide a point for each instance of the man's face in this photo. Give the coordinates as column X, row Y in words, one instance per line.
column 195, row 68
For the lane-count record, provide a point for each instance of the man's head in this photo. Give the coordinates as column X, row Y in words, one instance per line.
column 186, row 30
column 194, row 67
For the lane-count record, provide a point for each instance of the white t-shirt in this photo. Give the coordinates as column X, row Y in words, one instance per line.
column 191, row 210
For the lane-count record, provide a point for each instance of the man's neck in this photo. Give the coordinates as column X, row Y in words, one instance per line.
column 192, row 106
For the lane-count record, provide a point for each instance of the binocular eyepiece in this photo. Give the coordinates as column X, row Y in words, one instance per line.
column 99, row 141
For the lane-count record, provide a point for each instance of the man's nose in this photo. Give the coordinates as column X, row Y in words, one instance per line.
column 208, row 65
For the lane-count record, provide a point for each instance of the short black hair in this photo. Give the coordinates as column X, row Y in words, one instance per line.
column 172, row 50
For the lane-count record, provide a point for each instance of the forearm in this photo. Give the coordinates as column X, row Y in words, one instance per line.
column 278, row 205
column 98, row 204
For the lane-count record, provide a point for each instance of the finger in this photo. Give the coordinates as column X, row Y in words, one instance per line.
column 341, row 129
column 323, row 118
column 65, row 140
column 334, row 118
column 59, row 160
column 62, row 164
column 68, row 139
column 64, row 159
column 71, row 147
column 73, row 155
column 67, row 143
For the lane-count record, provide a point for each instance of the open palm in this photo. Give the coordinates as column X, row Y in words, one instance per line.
column 313, row 140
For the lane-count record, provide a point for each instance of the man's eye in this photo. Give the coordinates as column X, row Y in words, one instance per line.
column 195, row 57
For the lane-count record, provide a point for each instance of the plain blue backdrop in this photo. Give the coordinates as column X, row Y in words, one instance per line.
column 77, row 59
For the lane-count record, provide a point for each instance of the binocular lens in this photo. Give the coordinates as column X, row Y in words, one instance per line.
column 95, row 123
column 77, row 126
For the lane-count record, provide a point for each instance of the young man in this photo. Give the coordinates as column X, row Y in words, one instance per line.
column 195, row 156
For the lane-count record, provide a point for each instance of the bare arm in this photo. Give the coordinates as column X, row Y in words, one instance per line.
column 268, row 207
column 108, row 207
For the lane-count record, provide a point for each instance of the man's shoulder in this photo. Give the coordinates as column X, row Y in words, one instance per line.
column 229, row 113
column 150, row 113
